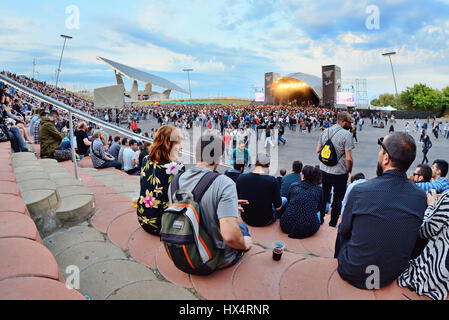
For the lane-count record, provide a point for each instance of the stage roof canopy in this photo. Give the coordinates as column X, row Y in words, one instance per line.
column 314, row 82
column 138, row 75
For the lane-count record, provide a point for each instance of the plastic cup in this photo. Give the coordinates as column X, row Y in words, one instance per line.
column 278, row 250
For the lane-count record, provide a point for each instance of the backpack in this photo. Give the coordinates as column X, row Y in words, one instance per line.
column 328, row 155
column 185, row 239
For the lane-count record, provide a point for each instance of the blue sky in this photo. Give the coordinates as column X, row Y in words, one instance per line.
column 229, row 43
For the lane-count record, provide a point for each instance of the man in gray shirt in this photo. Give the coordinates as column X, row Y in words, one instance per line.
column 219, row 205
column 100, row 159
column 337, row 176
column 114, row 149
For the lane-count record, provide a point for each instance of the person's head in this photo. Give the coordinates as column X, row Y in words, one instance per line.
column 311, row 174
column 297, row 167
column 166, row 145
column 357, row 176
column 133, row 144
column 117, row 140
column 423, row 173
column 209, row 149
column 344, row 119
column 439, row 169
column 82, row 126
column 145, row 147
column 397, row 152
column 43, row 113
column 263, row 161
column 242, row 146
column 125, row 142
column 98, row 135
column 283, row 172
column 54, row 115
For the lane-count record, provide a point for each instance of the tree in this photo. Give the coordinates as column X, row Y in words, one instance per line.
column 387, row 99
column 375, row 102
column 421, row 97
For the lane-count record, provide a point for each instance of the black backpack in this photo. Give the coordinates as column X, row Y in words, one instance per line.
column 328, row 155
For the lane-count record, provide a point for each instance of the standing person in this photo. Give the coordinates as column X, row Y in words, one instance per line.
column 354, row 132
column 391, row 129
column 268, row 138
column 162, row 163
column 382, row 218
column 427, row 145
column 337, row 176
column 281, row 138
column 407, row 128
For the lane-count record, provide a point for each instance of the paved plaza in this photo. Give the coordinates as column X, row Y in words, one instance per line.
column 302, row 146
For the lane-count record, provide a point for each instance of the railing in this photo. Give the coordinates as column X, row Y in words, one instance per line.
column 78, row 114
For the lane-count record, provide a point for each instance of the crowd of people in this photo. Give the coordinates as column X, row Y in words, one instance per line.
column 395, row 223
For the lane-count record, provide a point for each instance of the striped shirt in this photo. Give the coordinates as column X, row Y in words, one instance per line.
column 440, row 185
column 36, row 126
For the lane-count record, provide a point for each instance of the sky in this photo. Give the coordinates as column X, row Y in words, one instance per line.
column 230, row 44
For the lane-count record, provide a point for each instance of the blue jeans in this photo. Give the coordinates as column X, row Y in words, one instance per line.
column 65, row 145
column 278, row 214
column 111, row 164
column 16, row 139
column 281, row 139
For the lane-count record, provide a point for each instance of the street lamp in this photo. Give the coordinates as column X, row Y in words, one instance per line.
column 188, row 74
column 389, row 54
column 60, row 60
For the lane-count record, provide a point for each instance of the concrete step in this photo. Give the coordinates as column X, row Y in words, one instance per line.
column 54, row 198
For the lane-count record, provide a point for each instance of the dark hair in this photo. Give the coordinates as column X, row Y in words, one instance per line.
column 441, row 165
column 283, row 172
column 312, row 174
column 54, row 113
column 357, row 176
column 402, row 148
column 117, row 139
column 124, row 141
column 425, row 171
column 43, row 113
column 263, row 160
column 132, row 142
column 297, row 166
column 210, row 148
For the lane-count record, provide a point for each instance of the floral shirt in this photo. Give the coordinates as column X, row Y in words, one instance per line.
column 155, row 179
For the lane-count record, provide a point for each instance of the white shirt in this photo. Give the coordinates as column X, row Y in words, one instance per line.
column 128, row 156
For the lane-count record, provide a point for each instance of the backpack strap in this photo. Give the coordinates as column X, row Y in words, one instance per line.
column 204, row 184
column 175, row 186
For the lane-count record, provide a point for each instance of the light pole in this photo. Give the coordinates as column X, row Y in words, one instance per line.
column 188, row 74
column 60, row 60
column 389, row 54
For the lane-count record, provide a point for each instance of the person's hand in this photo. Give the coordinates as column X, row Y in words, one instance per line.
column 411, row 178
column 431, row 199
column 243, row 202
column 248, row 243
column 8, row 109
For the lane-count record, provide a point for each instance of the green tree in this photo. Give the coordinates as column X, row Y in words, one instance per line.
column 421, row 97
column 375, row 102
column 387, row 99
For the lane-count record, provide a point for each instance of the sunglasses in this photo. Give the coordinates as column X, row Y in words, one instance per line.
column 380, row 142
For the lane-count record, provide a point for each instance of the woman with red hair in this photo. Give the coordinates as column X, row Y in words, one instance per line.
column 158, row 170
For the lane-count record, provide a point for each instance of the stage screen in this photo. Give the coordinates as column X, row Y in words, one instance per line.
column 259, row 94
column 346, row 98
column 110, row 97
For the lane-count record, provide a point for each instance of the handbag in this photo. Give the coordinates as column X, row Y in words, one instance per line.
column 62, row 155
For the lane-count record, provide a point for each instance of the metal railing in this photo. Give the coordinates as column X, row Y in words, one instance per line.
column 78, row 114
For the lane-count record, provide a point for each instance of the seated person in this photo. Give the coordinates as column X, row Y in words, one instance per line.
column 131, row 158
column 235, row 173
column 50, row 137
column 355, row 180
column 294, row 177
column 144, row 151
column 282, row 174
column 439, row 172
column 125, row 144
column 382, row 218
column 301, row 218
column 428, row 274
column 100, row 159
column 262, row 192
column 164, row 152
column 423, row 173
column 82, row 141
column 114, row 149
column 219, row 205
